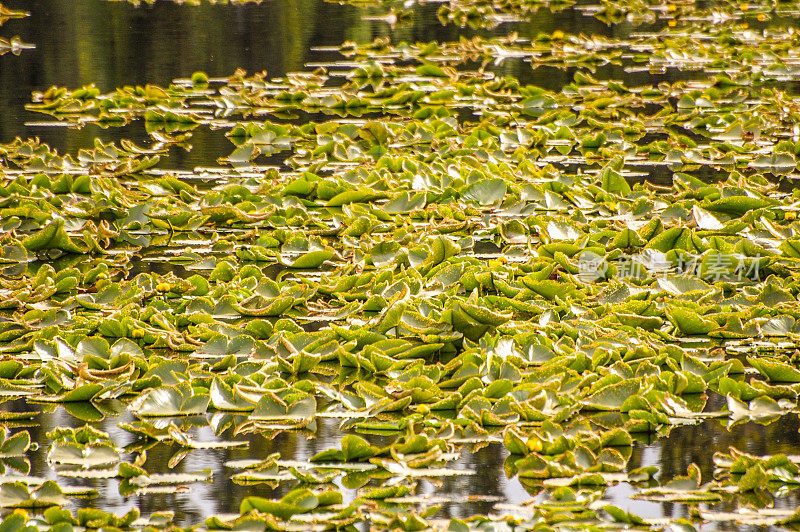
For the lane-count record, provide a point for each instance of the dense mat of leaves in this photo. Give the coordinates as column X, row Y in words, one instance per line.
column 415, row 247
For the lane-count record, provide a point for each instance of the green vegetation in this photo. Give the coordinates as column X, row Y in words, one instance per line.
column 434, row 255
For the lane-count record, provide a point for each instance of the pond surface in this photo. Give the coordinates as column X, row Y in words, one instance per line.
column 485, row 485
column 113, row 44
column 430, row 234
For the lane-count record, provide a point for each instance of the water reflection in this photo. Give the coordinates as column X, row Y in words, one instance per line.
column 489, row 485
column 113, row 44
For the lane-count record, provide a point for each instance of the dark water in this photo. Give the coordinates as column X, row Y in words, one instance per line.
column 113, row 44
